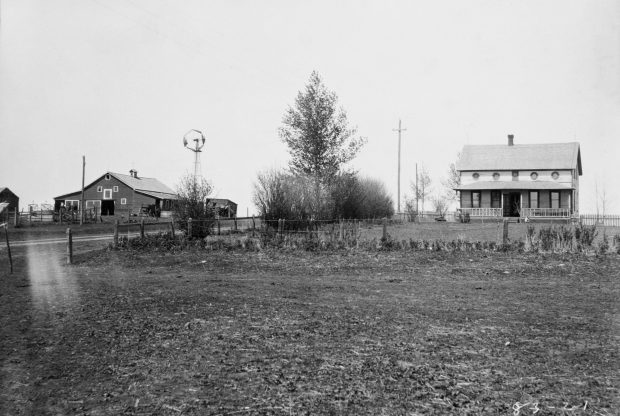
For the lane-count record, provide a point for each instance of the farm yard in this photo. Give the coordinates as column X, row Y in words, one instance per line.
column 296, row 332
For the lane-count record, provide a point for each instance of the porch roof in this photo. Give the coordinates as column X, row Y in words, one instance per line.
column 513, row 185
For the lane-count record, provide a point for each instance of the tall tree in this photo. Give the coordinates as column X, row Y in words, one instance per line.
column 317, row 133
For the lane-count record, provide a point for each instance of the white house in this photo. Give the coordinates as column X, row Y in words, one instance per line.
column 528, row 180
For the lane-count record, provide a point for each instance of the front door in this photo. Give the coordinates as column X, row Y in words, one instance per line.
column 512, row 204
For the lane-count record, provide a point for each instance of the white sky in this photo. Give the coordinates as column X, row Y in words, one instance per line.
column 121, row 82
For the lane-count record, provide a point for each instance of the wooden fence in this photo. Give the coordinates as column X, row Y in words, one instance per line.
column 595, row 219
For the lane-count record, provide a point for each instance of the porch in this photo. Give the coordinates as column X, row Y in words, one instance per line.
column 508, row 202
column 530, row 213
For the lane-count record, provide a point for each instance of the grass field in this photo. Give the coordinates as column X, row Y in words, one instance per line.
column 351, row 332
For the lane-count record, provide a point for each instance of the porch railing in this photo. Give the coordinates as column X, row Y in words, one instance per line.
column 481, row 212
column 545, row 212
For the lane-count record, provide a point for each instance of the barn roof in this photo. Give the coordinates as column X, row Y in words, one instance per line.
column 148, row 186
column 521, row 156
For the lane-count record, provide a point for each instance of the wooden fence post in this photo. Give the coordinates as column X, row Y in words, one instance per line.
column 235, row 223
column 115, row 233
column 142, row 228
column 505, row 232
column 69, row 246
column 16, row 217
column 219, row 227
column 172, row 228
column 253, row 225
column 8, row 246
column 384, row 228
column 189, row 228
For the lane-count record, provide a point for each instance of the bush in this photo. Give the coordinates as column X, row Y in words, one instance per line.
column 192, row 203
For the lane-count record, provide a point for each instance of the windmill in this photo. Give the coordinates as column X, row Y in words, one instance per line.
column 198, row 138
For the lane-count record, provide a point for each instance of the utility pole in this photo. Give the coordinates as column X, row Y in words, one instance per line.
column 399, row 130
column 82, row 201
column 417, row 213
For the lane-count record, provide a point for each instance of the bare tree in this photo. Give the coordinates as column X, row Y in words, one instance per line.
column 602, row 198
column 192, row 203
column 441, row 202
column 453, row 180
column 422, row 189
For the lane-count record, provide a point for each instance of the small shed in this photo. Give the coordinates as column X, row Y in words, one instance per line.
column 224, row 208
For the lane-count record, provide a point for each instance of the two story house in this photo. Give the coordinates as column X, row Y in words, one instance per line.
column 528, row 180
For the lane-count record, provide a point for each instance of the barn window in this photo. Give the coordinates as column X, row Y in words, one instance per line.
column 476, row 176
column 534, row 176
column 107, row 177
column 555, row 175
column 107, row 194
column 496, row 176
column 475, row 199
column 100, row 189
column 515, row 175
column 115, row 188
column 123, row 201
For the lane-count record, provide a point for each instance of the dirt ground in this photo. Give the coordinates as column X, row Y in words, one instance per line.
column 257, row 333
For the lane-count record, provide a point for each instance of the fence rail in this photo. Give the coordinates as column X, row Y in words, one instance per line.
column 545, row 212
column 595, row 219
column 481, row 212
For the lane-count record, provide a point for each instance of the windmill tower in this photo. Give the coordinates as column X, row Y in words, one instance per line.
column 198, row 138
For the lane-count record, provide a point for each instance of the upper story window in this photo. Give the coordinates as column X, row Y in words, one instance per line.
column 555, row 175
column 115, row 188
column 107, row 177
column 496, row 176
column 100, row 189
column 534, row 176
column 515, row 175
column 476, row 176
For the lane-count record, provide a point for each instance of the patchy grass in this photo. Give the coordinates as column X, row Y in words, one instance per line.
column 257, row 333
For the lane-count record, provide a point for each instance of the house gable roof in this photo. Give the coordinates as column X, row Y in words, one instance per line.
column 521, row 157
column 148, row 186
column 4, row 188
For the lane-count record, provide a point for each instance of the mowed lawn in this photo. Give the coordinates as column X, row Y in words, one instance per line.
column 297, row 333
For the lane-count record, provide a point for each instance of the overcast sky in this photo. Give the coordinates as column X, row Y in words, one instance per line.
column 121, row 82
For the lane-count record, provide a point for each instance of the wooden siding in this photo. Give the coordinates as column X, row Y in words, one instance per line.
column 135, row 200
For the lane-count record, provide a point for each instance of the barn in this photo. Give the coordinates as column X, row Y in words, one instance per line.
column 123, row 195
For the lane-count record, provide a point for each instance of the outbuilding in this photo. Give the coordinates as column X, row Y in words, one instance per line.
column 6, row 195
column 119, row 194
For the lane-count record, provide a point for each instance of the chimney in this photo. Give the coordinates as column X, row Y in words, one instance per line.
column 511, row 138
column 131, row 172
